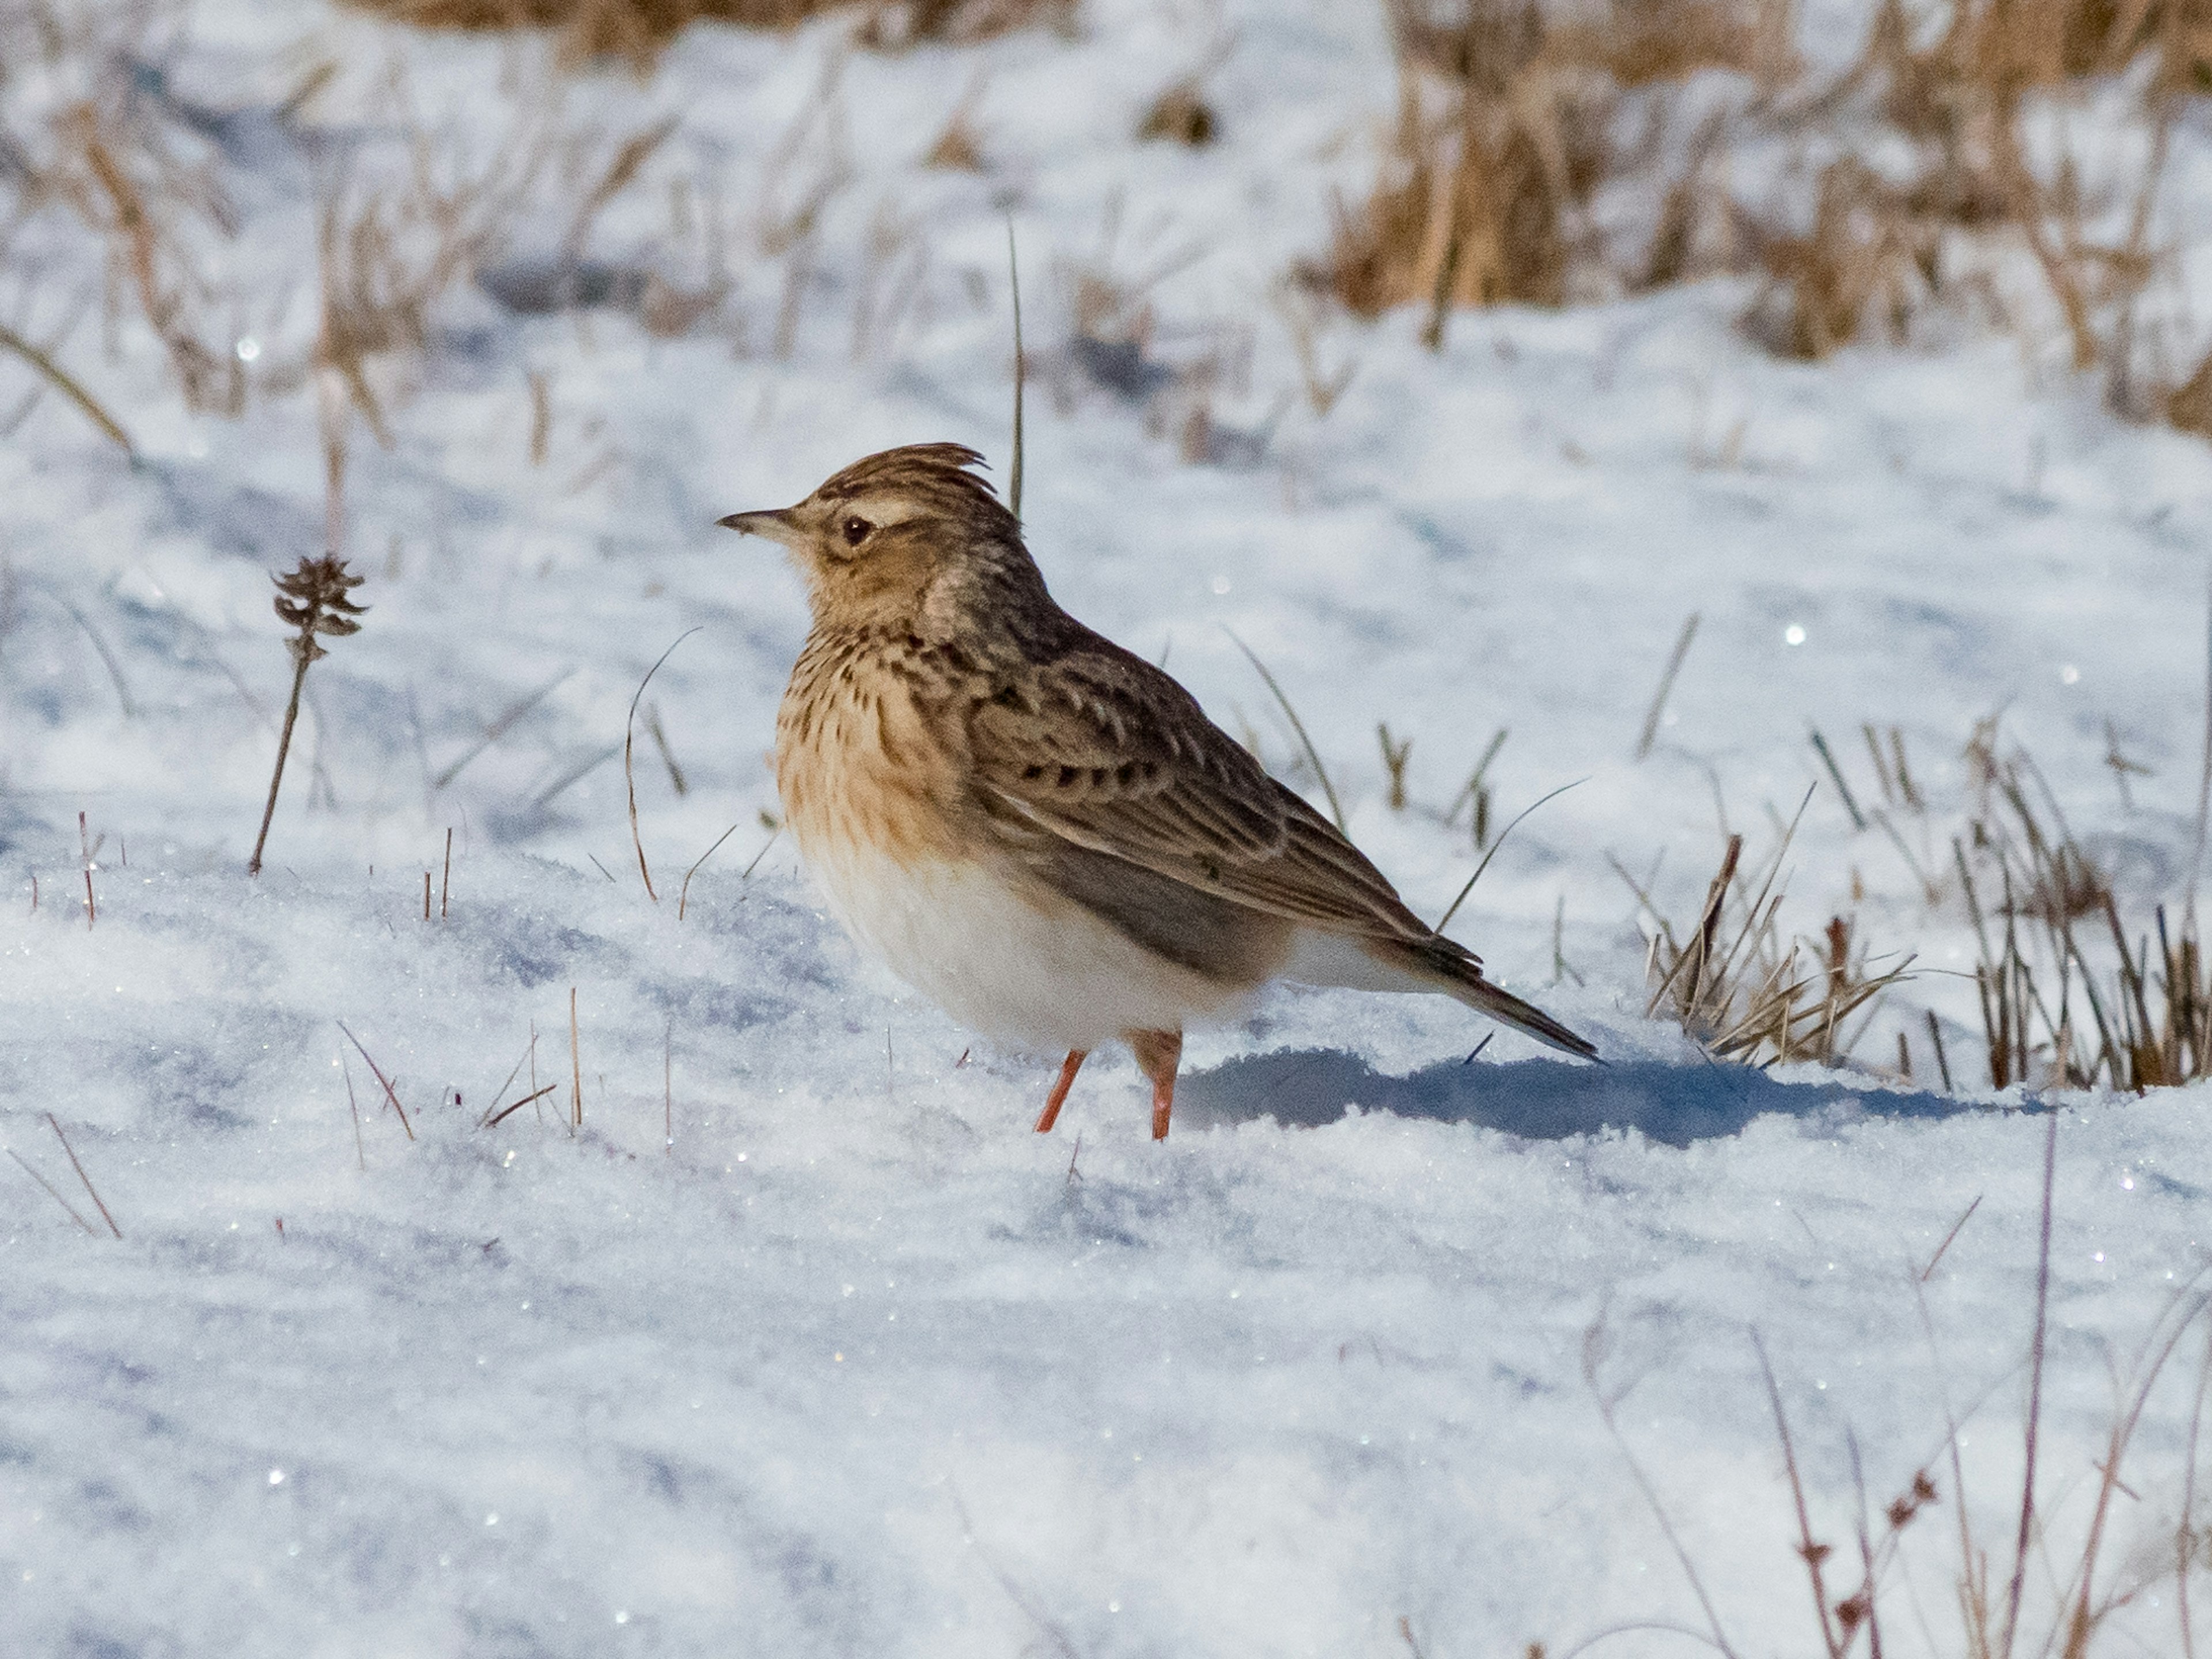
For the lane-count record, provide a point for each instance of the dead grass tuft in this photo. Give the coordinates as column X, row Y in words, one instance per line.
column 1502, row 136
column 637, row 31
column 1181, row 115
column 2072, row 997
column 1745, row 993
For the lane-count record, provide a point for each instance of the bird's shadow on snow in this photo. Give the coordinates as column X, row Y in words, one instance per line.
column 1539, row 1099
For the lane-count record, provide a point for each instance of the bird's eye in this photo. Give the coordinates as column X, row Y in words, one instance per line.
column 857, row 530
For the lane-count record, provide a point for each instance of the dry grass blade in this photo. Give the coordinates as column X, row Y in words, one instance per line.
column 1297, row 726
column 54, row 1123
column 2036, row 1351
column 629, row 777
column 500, row 727
column 67, row 1206
column 1452, row 909
column 69, row 386
column 1956, row 1228
column 1014, row 280
column 1594, row 1352
column 390, row 1093
column 1650, row 732
column 1759, row 999
column 1813, row 1555
column 504, row 1113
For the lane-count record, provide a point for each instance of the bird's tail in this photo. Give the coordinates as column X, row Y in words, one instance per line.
column 1456, row 974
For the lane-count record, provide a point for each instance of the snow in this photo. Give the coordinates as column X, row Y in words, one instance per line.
column 801, row 1342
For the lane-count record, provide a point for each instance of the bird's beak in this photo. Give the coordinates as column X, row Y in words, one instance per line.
column 779, row 524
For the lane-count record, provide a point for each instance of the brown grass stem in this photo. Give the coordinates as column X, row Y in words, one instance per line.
column 2185, row 1537
column 2204, row 774
column 500, row 727
column 1014, row 280
column 54, row 1123
column 1942, row 1061
column 2036, row 1351
column 629, row 777
column 1593, row 1346
column 68, row 386
column 1313, row 755
column 1813, row 1554
column 1836, row 772
column 1650, row 732
column 67, row 1206
column 84, row 846
column 575, row 1067
column 501, row 1115
column 1452, row 909
column 446, row 881
column 311, row 597
column 360, row 1152
column 1956, row 1226
column 390, row 1092
column 684, row 896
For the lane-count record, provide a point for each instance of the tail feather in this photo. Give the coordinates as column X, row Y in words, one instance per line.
column 1457, row 974
column 1361, row 963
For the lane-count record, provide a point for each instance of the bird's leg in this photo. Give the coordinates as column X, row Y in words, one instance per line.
column 1158, row 1054
column 1058, row 1098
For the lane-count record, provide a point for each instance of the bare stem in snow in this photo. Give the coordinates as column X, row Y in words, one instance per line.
column 311, row 598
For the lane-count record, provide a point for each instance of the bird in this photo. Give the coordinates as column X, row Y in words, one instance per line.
column 1038, row 830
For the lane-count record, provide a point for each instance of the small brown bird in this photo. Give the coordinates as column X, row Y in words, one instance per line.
column 1037, row 829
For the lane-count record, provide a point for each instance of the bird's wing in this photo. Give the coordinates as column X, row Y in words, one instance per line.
column 1100, row 749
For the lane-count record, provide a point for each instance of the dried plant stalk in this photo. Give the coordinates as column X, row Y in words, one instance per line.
column 311, row 598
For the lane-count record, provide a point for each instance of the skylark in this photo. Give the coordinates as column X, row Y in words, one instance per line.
column 1040, row 832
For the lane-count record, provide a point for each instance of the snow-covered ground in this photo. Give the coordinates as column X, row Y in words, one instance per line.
column 802, row 1343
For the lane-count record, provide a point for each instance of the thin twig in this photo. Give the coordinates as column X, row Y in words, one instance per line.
column 1811, row 1553
column 2185, row 1550
column 1592, row 1349
column 55, row 1196
column 1948, row 1236
column 1453, row 909
column 500, row 727
column 1828, row 759
column 494, row 1121
column 2204, row 777
column 360, row 1153
column 629, row 778
column 55, row 1123
column 84, row 846
column 1313, row 755
column 2035, row 1395
column 576, row 1066
column 1014, row 276
column 684, row 896
column 1666, row 684
column 446, row 881
column 390, row 1093
column 68, row 386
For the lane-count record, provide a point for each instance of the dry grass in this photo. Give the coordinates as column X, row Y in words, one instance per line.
column 1742, row 991
column 1510, row 126
column 2063, row 1589
column 638, row 30
column 1502, row 136
column 2071, row 996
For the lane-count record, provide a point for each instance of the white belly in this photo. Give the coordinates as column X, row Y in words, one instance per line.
column 1006, row 958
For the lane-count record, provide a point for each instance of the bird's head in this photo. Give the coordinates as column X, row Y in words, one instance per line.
column 877, row 540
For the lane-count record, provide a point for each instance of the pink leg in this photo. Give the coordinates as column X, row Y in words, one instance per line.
column 1158, row 1054
column 1058, row 1098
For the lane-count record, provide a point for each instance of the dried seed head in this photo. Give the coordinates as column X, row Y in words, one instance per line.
column 312, row 597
